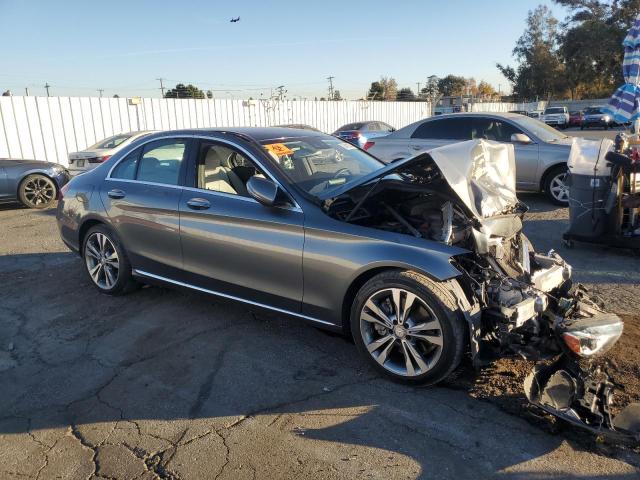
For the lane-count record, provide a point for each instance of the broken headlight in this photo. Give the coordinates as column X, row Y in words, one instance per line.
column 592, row 336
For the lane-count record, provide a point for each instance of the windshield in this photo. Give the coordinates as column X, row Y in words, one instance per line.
column 318, row 164
column 593, row 111
column 554, row 110
column 540, row 129
column 110, row 142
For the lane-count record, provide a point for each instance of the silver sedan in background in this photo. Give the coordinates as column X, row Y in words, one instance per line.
column 541, row 151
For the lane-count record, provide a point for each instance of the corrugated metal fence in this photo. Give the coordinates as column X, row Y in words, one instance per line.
column 48, row 128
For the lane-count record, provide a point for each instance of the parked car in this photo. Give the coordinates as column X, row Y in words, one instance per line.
column 34, row 183
column 596, row 117
column 575, row 118
column 91, row 157
column 407, row 259
column 541, row 151
column 301, row 126
column 557, row 116
column 360, row 132
column 535, row 114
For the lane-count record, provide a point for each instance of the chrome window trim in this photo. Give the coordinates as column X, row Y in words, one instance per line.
column 231, row 297
column 296, row 206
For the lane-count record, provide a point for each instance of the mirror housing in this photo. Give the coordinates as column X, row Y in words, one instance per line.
column 520, row 138
column 263, row 190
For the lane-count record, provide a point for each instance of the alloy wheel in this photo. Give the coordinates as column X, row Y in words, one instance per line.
column 102, row 260
column 39, row 191
column 558, row 187
column 401, row 332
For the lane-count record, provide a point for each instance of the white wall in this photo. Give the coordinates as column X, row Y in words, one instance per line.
column 48, row 128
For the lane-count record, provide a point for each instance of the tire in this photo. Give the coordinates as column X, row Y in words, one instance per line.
column 581, row 127
column 108, row 276
column 555, row 187
column 407, row 358
column 37, row 191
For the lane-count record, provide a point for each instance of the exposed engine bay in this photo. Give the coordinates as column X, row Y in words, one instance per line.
column 516, row 301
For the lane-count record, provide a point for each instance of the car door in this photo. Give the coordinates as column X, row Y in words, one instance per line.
column 438, row 132
column 141, row 196
column 526, row 154
column 232, row 244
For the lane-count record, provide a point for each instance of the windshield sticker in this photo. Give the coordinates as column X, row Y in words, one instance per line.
column 280, row 149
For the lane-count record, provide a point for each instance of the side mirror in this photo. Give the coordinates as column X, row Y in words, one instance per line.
column 392, row 129
column 263, row 190
column 520, row 138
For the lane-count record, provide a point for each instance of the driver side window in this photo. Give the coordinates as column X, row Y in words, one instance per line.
column 221, row 168
column 493, row 129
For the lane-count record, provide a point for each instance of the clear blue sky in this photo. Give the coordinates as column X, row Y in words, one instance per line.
column 78, row 46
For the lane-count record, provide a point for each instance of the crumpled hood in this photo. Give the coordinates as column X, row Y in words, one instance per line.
column 480, row 172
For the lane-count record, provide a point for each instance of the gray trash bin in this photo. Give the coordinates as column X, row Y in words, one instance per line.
column 589, row 205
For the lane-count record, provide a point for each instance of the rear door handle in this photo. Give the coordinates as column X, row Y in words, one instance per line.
column 198, row 204
column 115, row 193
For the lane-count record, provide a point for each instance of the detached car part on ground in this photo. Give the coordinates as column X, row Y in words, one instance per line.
column 514, row 300
column 420, row 260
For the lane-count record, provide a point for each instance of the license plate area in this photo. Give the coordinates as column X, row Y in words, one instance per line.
column 80, row 163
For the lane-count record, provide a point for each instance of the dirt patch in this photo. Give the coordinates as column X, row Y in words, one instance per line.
column 502, row 384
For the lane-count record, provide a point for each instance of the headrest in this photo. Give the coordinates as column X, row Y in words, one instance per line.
column 212, row 160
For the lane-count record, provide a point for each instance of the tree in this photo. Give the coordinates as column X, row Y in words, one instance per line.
column 540, row 72
column 431, row 91
column 116, row 96
column 209, row 94
column 6, row 93
column 389, row 88
column 336, row 95
column 182, row 91
column 452, row 85
column 376, row 91
column 405, row 95
column 485, row 90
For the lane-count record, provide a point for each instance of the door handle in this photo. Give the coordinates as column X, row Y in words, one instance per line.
column 198, row 204
column 115, row 193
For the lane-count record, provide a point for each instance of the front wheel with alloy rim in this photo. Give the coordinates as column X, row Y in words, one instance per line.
column 556, row 188
column 106, row 261
column 408, row 327
column 37, row 191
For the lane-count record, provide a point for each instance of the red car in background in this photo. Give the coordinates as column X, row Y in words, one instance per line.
column 575, row 119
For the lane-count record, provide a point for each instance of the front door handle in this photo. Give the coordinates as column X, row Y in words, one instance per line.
column 115, row 193
column 198, row 204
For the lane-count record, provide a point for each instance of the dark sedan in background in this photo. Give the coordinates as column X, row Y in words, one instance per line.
column 34, row 183
column 359, row 133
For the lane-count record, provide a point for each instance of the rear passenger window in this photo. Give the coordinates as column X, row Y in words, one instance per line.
column 126, row 169
column 445, row 129
column 161, row 162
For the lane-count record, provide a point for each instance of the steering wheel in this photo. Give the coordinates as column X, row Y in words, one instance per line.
column 342, row 172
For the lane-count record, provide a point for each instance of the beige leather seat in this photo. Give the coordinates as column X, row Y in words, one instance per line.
column 218, row 176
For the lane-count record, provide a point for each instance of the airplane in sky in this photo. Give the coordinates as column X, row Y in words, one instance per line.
column 234, row 20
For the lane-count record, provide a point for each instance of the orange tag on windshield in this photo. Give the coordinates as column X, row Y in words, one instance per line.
column 280, row 149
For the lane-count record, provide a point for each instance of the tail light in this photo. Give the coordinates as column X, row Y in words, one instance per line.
column 368, row 145
column 99, row 159
column 63, row 191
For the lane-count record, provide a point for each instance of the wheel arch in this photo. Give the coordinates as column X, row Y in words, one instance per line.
column 85, row 227
column 24, row 176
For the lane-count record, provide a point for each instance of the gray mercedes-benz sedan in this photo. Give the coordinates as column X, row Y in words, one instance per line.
column 420, row 260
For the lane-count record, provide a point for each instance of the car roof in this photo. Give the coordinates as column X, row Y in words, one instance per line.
column 256, row 133
column 477, row 114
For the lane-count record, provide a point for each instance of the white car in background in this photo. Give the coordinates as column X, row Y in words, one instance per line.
column 556, row 116
column 85, row 160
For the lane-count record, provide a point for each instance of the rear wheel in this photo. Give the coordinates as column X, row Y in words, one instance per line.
column 106, row 261
column 408, row 327
column 555, row 186
column 37, row 191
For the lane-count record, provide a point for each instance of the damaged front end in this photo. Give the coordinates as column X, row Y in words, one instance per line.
column 517, row 302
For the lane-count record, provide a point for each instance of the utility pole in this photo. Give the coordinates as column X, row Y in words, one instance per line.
column 418, row 92
column 47, row 87
column 26, row 91
column 100, row 90
column 161, row 86
column 330, row 87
